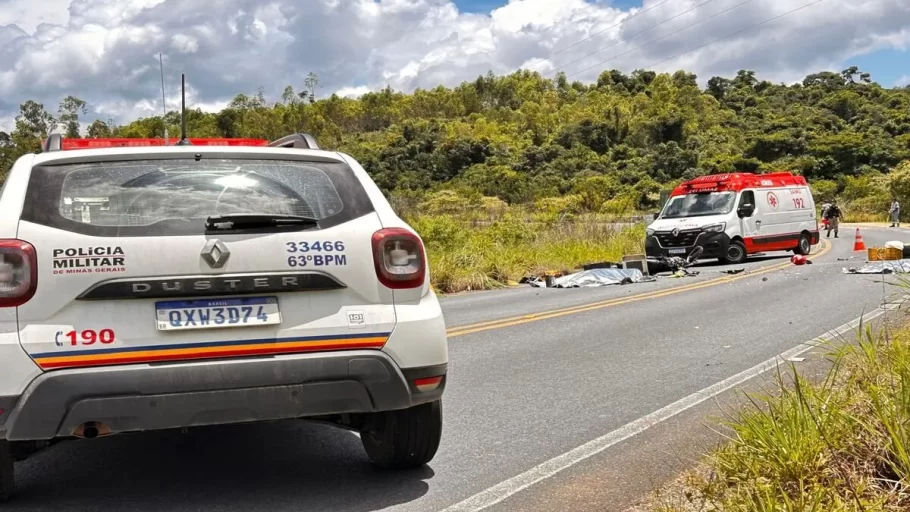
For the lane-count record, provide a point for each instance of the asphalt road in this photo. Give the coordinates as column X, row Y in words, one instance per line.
column 534, row 374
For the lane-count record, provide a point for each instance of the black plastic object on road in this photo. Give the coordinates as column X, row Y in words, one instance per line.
column 602, row 264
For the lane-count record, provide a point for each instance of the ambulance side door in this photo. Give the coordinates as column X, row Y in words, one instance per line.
column 750, row 226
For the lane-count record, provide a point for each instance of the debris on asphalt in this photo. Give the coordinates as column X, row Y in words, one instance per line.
column 799, row 259
column 669, row 265
column 796, row 359
column 764, row 279
column 684, row 273
column 732, row 271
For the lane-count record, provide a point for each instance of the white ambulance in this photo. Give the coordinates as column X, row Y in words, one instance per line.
column 731, row 216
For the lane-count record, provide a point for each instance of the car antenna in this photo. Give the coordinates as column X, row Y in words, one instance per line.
column 183, row 140
column 163, row 101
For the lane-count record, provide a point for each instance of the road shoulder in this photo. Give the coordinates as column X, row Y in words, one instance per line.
column 625, row 475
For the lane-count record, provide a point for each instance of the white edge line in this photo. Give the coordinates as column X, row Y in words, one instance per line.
column 518, row 483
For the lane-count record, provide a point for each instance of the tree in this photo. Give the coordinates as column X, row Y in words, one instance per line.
column 718, row 86
column 745, row 79
column 684, row 79
column 826, row 80
column 7, row 155
column 34, row 121
column 900, row 182
column 309, row 84
column 289, row 97
column 98, row 130
column 68, row 113
column 850, row 75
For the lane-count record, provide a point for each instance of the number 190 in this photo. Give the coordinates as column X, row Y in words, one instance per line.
column 89, row 337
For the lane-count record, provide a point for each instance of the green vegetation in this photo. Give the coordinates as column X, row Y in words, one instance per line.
column 601, row 150
column 841, row 445
column 479, row 243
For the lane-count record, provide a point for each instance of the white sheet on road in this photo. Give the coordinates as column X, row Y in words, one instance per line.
column 880, row 267
column 599, row 277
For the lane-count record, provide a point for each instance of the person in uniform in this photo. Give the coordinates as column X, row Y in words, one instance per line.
column 825, row 206
column 832, row 218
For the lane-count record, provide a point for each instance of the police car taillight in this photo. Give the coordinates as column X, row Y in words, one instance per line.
column 399, row 258
column 18, row 272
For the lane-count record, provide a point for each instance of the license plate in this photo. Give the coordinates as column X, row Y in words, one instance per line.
column 677, row 251
column 180, row 315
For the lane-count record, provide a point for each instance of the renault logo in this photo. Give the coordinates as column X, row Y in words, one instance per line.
column 675, row 231
column 215, row 253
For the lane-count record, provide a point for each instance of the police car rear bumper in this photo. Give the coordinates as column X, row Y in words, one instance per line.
column 140, row 397
column 714, row 245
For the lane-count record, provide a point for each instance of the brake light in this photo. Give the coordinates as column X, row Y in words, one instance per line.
column 399, row 258
column 69, row 144
column 18, row 272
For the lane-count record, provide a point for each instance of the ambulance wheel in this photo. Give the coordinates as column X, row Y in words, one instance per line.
column 736, row 252
column 804, row 247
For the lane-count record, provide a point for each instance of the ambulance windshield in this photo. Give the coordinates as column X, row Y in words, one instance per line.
column 699, row 205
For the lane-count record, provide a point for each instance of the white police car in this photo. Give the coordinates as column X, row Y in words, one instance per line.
column 147, row 287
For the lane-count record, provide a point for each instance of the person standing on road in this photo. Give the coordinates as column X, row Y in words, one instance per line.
column 832, row 216
column 825, row 206
column 895, row 213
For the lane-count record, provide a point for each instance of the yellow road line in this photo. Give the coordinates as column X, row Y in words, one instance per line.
column 555, row 313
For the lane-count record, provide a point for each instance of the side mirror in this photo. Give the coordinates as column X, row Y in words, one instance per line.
column 745, row 210
column 656, row 215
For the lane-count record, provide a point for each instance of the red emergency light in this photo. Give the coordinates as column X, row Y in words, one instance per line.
column 68, row 144
column 706, row 185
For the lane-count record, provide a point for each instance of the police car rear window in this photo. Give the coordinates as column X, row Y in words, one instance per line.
column 174, row 197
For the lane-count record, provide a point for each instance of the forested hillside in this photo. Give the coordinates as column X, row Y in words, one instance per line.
column 608, row 145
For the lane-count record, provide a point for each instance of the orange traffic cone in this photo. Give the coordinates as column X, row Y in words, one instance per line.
column 859, row 245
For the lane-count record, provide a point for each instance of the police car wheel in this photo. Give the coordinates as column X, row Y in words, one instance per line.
column 406, row 438
column 736, row 252
column 7, row 478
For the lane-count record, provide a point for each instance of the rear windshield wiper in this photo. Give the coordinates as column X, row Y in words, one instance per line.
column 249, row 220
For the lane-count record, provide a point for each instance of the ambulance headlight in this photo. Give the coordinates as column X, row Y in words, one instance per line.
column 715, row 228
column 649, row 231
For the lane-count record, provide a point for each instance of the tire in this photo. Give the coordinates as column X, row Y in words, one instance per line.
column 736, row 253
column 7, row 476
column 804, row 246
column 403, row 439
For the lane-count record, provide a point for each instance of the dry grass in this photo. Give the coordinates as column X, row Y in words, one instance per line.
column 841, row 445
column 465, row 254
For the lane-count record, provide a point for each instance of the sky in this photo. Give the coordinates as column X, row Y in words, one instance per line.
column 106, row 51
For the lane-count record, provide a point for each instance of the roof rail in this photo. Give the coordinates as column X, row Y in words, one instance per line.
column 54, row 142
column 296, row 140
